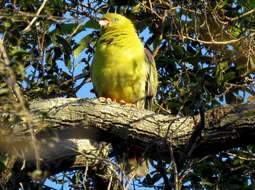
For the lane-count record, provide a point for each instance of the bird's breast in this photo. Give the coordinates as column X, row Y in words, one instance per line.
column 119, row 73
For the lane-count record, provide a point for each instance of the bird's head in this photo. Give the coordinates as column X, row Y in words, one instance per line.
column 113, row 20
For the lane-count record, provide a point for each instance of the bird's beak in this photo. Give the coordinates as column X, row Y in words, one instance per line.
column 103, row 22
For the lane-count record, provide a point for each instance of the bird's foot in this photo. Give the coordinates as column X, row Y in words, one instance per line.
column 109, row 100
column 123, row 102
column 106, row 100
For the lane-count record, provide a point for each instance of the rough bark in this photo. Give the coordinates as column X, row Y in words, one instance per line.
column 66, row 128
column 223, row 127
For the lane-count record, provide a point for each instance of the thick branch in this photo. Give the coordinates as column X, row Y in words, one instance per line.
column 224, row 126
column 73, row 121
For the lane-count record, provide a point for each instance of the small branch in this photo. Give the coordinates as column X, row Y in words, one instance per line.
column 176, row 173
column 48, row 17
column 210, row 42
column 230, row 87
column 35, row 18
column 240, row 157
column 150, row 9
column 243, row 15
column 213, row 42
column 196, row 135
column 86, row 80
column 162, row 27
column 186, row 9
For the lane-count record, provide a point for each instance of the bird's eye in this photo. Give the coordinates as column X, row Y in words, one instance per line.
column 115, row 19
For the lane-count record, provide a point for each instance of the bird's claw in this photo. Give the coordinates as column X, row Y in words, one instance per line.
column 123, row 102
column 105, row 100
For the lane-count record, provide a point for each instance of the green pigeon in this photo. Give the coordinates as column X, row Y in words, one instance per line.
column 124, row 71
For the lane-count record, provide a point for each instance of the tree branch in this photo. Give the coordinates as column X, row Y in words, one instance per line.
column 69, row 122
column 97, row 119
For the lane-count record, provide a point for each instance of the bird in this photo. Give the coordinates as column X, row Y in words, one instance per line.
column 124, row 71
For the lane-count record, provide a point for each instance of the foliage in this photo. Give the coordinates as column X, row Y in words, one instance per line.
column 204, row 52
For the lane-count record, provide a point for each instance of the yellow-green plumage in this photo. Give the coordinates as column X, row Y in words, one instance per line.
column 120, row 70
column 123, row 70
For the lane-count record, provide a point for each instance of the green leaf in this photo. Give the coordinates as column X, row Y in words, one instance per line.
column 2, row 167
column 251, row 65
column 229, row 76
column 65, row 44
column 221, row 4
column 92, row 24
column 137, row 8
column 69, row 28
column 82, row 45
column 152, row 180
column 221, row 68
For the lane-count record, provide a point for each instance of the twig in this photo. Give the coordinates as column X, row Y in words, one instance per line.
column 176, row 176
column 243, row 15
column 110, row 183
column 249, row 52
column 162, row 27
column 186, row 9
column 207, row 26
column 85, row 175
column 34, row 19
column 175, row 167
column 21, row 186
column 146, row 7
column 240, row 157
column 82, row 83
column 230, row 86
column 196, row 135
column 48, row 17
column 209, row 42
column 129, row 181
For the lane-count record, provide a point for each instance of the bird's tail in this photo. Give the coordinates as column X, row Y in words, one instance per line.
column 134, row 164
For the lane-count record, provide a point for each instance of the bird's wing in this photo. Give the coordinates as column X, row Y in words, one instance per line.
column 152, row 79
